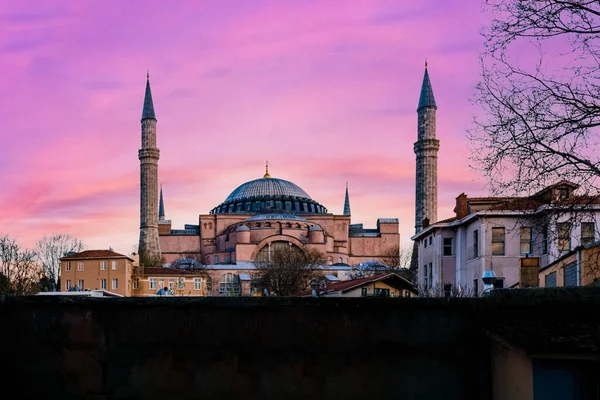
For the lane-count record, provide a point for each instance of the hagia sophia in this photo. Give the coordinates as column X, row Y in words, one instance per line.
column 270, row 213
column 256, row 219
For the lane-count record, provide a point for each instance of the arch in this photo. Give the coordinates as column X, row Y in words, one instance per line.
column 265, row 241
column 229, row 285
column 267, row 251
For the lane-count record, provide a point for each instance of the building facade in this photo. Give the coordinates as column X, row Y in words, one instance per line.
column 269, row 213
column 579, row 267
column 494, row 233
column 97, row 270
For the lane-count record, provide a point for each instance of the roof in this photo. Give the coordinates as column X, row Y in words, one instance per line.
column 347, row 202
column 82, row 293
column 94, row 254
column 388, row 220
column 266, row 187
column 426, row 99
column 148, row 110
column 269, row 195
column 161, row 206
column 165, row 271
column 345, row 286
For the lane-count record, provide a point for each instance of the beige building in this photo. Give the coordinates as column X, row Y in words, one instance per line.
column 97, row 270
column 495, row 233
column 579, row 267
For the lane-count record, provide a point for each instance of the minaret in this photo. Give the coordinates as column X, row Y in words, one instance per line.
column 149, row 248
column 161, row 206
column 426, row 149
column 347, row 202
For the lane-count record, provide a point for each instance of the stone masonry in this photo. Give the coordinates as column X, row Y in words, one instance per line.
column 148, row 248
column 426, row 149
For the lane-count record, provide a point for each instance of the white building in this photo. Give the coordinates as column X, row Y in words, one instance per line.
column 494, row 233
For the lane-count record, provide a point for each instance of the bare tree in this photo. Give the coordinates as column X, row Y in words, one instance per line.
column 290, row 270
column 399, row 260
column 445, row 290
column 539, row 110
column 51, row 248
column 20, row 274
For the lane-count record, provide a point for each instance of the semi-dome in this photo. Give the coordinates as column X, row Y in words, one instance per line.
column 269, row 195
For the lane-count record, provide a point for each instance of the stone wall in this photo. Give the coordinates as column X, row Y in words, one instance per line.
column 242, row 348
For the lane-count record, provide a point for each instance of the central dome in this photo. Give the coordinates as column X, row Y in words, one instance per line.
column 269, row 195
column 267, row 187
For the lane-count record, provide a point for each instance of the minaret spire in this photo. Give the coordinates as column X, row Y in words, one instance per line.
column 426, row 149
column 266, row 175
column 161, row 206
column 347, row 202
column 149, row 246
column 148, row 110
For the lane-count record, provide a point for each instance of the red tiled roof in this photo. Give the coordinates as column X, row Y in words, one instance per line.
column 95, row 254
column 445, row 220
column 353, row 283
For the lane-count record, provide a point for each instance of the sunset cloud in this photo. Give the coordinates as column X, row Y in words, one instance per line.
column 326, row 91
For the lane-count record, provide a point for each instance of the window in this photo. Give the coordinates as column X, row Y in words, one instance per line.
column 545, row 240
column 68, row 284
column 80, row 266
column 136, row 283
column 161, row 283
column 216, row 259
column 563, row 230
column 229, row 285
column 197, row 283
column 550, row 280
column 152, row 283
column 448, row 246
column 498, row 241
column 475, row 243
column 115, row 283
column 80, row 284
column 102, row 283
column 114, row 265
column 382, row 292
column 587, row 233
column 171, row 284
column 571, row 275
column 430, row 275
column 363, row 292
column 527, row 241
column 68, row 266
column 227, row 259
column 475, row 287
column 102, row 265
column 425, row 276
column 425, row 243
column 563, row 194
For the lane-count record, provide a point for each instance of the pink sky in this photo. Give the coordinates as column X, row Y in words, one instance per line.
column 325, row 90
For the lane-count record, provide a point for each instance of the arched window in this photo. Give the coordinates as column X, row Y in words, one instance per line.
column 329, row 260
column 216, row 259
column 340, row 260
column 265, row 254
column 229, row 285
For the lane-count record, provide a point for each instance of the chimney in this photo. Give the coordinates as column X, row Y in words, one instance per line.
column 461, row 208
column 425, row 223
